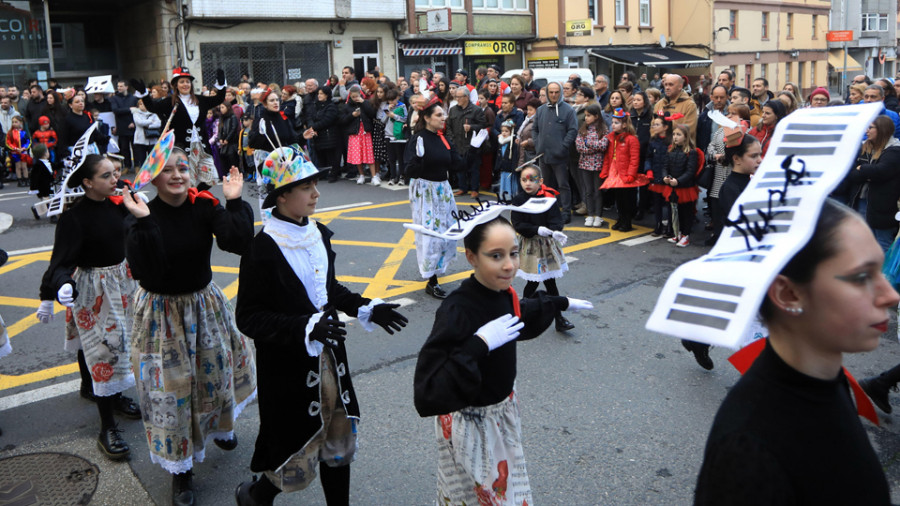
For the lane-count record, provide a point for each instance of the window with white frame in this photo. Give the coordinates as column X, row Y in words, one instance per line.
column 621, row 12
column 594, row 12
column 644, row 13
column 874, row 22
column 506, row 5
column 439, row 3
column 787, row 71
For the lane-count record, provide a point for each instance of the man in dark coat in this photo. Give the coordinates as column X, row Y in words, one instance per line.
column 465, row 120
column 122, row 102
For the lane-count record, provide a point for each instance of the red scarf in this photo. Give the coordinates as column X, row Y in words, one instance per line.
column 546, row 191
column 517, row 309
column 443, row 139
column 743, row 359
column 194, row 194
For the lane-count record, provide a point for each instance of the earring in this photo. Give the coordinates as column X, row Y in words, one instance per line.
column 794, row 310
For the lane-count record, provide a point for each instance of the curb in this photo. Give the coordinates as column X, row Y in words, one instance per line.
column 6, row 221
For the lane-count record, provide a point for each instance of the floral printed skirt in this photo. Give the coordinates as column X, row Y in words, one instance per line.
column 195, row 372
column 431, row 203
column 100, row 324
column 480, row 456
column 540, row 258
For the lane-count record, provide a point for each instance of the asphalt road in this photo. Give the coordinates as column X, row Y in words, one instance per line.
column 611, row 413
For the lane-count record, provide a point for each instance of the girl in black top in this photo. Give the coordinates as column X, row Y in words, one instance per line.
column 88, row 274
column 196, row 371
column 466, row 371
column 790, row 420
column 323, row 127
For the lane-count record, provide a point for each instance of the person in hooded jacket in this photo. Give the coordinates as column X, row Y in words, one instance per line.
column 554, row 131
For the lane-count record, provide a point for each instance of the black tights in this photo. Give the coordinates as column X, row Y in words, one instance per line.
column 532, row 286
column 104, row 404
column 335, row 485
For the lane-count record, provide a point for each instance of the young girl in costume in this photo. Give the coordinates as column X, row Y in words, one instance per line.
column 540, row 240
column 591, row 144
column 466, row 371
column 287, row 300
column 620, row 168
column 42, row 172
column 681, row 170
column 89, row 275
column 657, row 158
column 195, row 371
column 17, row 143
column 357, row 116
column 507, row 159
column 46, row 135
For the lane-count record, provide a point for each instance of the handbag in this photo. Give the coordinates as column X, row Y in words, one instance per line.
column 706, row 176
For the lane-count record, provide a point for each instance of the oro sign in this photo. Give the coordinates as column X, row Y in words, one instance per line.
column 579, row 28
column 486, row 47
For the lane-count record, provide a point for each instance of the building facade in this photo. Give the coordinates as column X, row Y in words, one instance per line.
column 872, row 49
column 781, row 41
column 479, row 33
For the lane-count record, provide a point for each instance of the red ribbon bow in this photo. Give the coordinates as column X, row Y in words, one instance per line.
column 743, row 359
column 546, row 191
column 440, row 134
column 517, row 309
column 283, row 115
column 674, row 117
column 194, row 194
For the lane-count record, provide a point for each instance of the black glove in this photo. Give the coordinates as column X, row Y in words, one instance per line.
column 384, row 316
column 138, row 85
column 220, row 78
column 329, row 330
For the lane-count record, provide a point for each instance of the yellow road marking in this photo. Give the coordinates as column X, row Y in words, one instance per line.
column 391, row 265
column 7, row 381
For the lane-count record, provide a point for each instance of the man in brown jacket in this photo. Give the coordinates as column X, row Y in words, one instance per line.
column 677, row 100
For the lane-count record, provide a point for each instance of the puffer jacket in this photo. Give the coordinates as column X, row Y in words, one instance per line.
column 591, row 148
column 144, row 120
column 620, row 167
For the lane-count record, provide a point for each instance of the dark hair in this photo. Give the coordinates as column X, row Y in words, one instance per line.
column 628, row 74
column 87, row 170
column 426, row 112
column 587, row 91
column 38, row 150
column 627, row 86
column 889, row 90
column 534, row 102
column 596, row 111
column 877, row 88
column 728, row 73
column 821, row 246
column 478, row 234
column 744, row 92
column 739, row 150
column 711, row 90
column 531, row 166
column 324, row 89
column 764, row 81
column 352, row 70
column 777, row 107
column 643, row 94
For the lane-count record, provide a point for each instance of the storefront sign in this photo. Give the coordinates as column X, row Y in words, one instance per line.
column 839, row 36
column 21, row 36
column 579, row 28
column 479, row 47
column 543, row 63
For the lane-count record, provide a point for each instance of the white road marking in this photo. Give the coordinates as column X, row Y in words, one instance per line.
column 39, row 394
column 639, row 240
column 345, row 206
column 5, row 198
column 38, row 249
column 570, row 259
column 6, row 221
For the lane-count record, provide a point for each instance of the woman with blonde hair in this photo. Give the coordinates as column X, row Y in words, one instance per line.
column 795, row 90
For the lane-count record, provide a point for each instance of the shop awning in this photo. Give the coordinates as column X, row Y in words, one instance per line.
column 654, row 56
column 430, row 49
column 836, row 60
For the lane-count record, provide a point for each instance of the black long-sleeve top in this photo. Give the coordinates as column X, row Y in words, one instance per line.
column 782, row 437
column 682, row 166
column 436, row 162
column 527, row 224
column 731, row 189
column 455, row 369
column 90, row 234
column 75, row 126
column 169, row 250
column 278, row 128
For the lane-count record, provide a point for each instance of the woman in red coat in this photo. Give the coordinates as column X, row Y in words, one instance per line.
column 620, row 168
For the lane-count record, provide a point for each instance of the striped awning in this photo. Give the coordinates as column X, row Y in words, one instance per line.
column 430, row 50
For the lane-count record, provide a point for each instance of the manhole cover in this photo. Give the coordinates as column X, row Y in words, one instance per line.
column 47, row 478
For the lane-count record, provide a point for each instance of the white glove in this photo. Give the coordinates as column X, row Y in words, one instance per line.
column 560, row 237
column 45, row 311
column 143, row 196
column 544, row 232
column 141, row 95
column 496, row 333
column 420, row 147
column 579, row 304
column 64, row 295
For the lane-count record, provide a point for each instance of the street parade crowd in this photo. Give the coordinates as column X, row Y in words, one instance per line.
column 674, row 155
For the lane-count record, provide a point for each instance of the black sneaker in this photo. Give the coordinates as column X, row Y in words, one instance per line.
column 227, row 444
column 112, row 444
column 562, row 324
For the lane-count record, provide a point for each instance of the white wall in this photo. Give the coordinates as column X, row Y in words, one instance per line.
column 318, row 9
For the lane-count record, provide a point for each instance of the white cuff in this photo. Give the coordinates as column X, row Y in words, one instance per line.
column 313, row 348
column 364, row 314
column 220, row 88
column 141, row 95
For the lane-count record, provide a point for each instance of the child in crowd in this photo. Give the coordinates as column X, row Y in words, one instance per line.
column 42, row 173
column 681, row 169
column 102, row 136
column 357, row 116
column 591, row 144
column 47, row 136
column 248, row 167
column 655, row 168
column 396, row 132
column 506, row 160
column 540, row 239
column 17, row 144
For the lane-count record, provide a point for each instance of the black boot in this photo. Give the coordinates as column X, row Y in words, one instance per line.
column 227, row 444
column 562, row 324
column 256, row 493
column 183, row 489
column 111, row 443
column 877, row 388
column 701, row 353
column 625, row 225
column 434, row 289
column 126, row 407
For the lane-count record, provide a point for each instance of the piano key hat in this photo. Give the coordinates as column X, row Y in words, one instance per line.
column 714, row 299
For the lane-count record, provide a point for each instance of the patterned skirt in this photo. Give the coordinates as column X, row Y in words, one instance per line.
column 100, row 324
column 5, row 347
column 195, row 373
column 379, row 143
column 359, row 147
column 431, row 204
column 540, row 258
column 480, row 456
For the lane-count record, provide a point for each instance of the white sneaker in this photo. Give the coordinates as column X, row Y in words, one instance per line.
column 361, row 179
column 675, row 239
column 588, row 221
column 684, row 242
column 391, row 182
column 598, row 221
column 376, row 181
